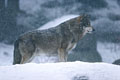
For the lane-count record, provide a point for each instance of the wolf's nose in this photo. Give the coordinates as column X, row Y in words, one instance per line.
column 93, row 29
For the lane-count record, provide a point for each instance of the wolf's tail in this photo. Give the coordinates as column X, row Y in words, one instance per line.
column 17, row 55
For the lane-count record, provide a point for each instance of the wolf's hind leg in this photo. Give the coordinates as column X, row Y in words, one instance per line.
column 27, row 51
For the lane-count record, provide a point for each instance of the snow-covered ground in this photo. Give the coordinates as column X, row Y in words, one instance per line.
column 61, row 71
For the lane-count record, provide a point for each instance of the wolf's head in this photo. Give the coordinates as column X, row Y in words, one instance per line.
column 84, row 24
column 80, row 25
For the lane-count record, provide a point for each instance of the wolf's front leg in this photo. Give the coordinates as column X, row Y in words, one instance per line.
column 62, row 55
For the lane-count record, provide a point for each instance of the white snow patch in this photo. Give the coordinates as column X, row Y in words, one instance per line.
column 61, row 71
column 45, row 59
column 6, row 54
column 109, row 51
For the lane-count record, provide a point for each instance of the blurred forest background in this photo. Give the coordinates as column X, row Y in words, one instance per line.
column 19, row 16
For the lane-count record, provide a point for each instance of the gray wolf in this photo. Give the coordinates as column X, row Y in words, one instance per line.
column 58, row 40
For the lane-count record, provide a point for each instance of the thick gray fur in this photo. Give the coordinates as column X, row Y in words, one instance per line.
column 54, row 41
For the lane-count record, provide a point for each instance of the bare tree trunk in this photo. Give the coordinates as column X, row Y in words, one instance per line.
column 2, row 4
column 9, row 27
column 2, row 17
column 13, row 5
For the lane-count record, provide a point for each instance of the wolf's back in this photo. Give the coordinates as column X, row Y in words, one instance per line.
column 17, row 55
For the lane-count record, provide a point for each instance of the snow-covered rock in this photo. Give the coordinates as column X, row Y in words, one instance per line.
column 57, row 21
column 61, row 71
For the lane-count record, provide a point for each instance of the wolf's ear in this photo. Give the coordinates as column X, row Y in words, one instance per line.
column 82, row 16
